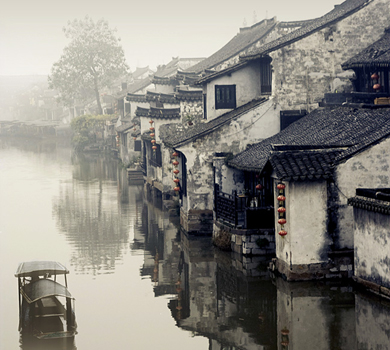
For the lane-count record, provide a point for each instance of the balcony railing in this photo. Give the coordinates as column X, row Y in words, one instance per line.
column 242, row 211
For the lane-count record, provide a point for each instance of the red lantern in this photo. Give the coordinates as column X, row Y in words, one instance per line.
column 259, row 187
column 175, row 162
column 152, row 135
column 377, row 87
column 134, row 129
column 281, row 210
column 176, row 171
column 176, row 181
column 151, row 121
column 153, row 141
column 282, row 221
column 177, row 189
column 281, row 198
column 282, row 233
column 151, row 129
column 285, row 331
column 134, row 138
column 175, row 154
column 154, row 147
column 281, row 186
column 375, row 76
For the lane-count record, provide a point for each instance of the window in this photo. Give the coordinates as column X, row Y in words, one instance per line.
column 137, row 145
column 266, row 76
column 225, row 96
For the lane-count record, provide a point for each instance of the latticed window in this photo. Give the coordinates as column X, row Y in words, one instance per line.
column 225, row 96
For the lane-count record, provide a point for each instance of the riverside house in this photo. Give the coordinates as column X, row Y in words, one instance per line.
column 319, row 162
column 271, row 86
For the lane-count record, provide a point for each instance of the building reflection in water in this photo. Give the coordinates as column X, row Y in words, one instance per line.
column 32, row 343
column 209, row 294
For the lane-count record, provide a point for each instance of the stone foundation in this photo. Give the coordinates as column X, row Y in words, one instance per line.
column 197, row 222
column 339, row 266
column 260, row 242
column 372, row 287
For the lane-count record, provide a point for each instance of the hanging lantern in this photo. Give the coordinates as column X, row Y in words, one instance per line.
column 281, row 186
column 154, row 147
column 176, row 171
column 282, row 233
column 151, row 121
column 282, row 221
column 152, row 134
column 175, row 154
column 259, row 187
column 151, row 128
column 285, row 331
column 375, row 76
column 153, row 141
column 281, row 210
column 177, row 189
column 175, row 163
column 134, row 138
column 176, row 180
column 134, row 129
column 281, row 198
column 377, row 87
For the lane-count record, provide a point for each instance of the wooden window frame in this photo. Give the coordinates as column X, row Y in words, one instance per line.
column 225, row 96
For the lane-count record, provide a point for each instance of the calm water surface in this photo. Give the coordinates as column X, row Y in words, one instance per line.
column 140, row 284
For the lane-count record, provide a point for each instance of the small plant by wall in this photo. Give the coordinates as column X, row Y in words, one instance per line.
column 223, row 240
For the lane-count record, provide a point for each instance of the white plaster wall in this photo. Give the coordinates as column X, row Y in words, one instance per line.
column 247, row 81
column 306, row 215
column 164, row 89
column 134, row 105
column 372, row 246
column 253, row 126
column 369, row 169
column 228, row 178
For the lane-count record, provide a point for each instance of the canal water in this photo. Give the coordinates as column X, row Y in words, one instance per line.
column 140, row 283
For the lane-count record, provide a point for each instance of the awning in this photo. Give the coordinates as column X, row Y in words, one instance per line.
column 40, row 268
column 42, row 289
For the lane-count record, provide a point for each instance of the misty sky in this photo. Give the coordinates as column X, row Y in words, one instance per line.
column 151, row 32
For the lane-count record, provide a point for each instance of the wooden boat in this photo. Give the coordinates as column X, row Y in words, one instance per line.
column 46, row 307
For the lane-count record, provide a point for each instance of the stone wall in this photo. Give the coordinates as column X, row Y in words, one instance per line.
column 305, row 70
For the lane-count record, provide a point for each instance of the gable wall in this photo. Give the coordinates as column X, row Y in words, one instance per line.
column 305, row 70
column 369, row 169
column 247, row 81
column 255, row 125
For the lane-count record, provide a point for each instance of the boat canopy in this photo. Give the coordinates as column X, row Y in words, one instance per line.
column 40, row 268
column 44, row 288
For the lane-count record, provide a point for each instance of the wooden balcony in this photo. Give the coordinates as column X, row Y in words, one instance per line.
column 241, row 211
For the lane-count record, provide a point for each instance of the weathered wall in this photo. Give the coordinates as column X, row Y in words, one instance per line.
column 369, row 169
column 306, row 241
column 247, row 81
column 257, row 124
column 310, row 67
column 164, row 88
column 372, row 246
column 228, row 178
column 193, row 108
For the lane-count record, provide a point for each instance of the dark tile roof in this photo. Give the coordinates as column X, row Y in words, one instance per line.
column 178, row 134
column 123, row 127
column 303, row 164
column 164, row 113
column 142, row 112
column 139, row 85
column 136, row 98
column 372, row 199
column 189, row 95
column 243, row 40
column 158, row 96
column 165, row 80
column 339, row 12
column 342, row 126
column 377, row 54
